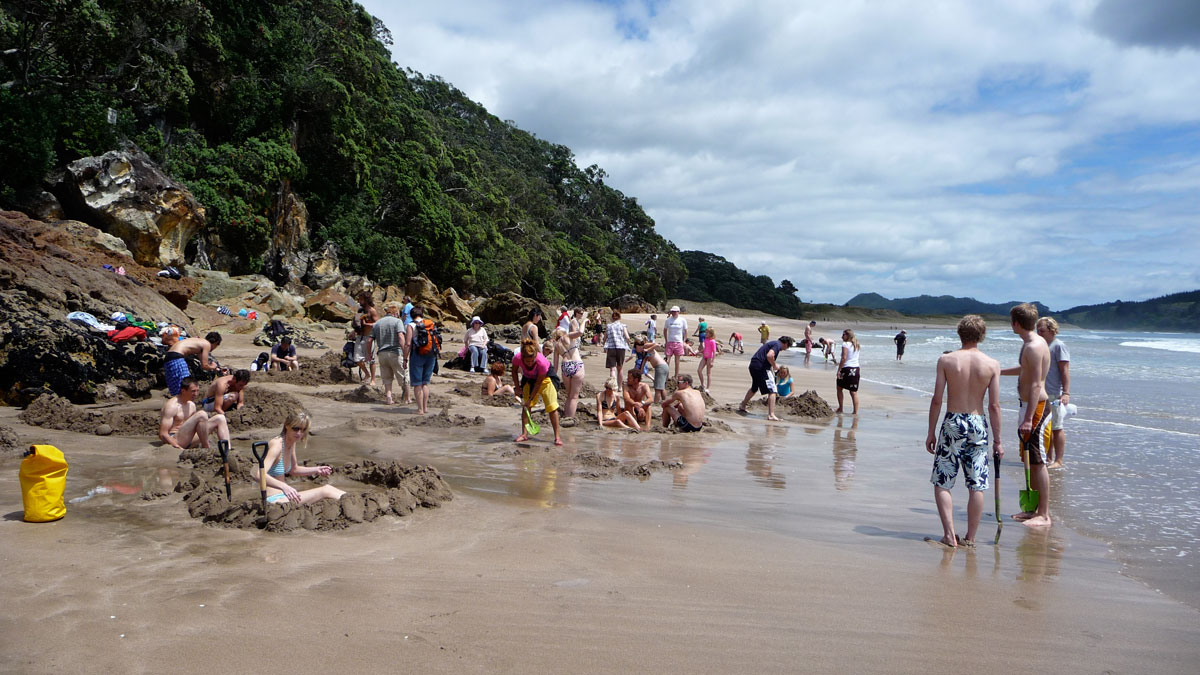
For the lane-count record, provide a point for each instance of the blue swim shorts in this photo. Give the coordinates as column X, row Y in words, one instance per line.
column 963, row 441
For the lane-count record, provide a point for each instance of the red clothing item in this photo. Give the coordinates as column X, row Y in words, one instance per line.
column 127, row 334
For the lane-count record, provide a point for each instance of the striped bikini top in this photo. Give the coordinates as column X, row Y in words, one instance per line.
column 278, row 469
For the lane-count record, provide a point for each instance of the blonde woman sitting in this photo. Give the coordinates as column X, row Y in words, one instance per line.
column 608, row 409
column 281, row 461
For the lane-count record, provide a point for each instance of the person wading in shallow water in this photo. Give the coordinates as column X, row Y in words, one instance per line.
column 1034, row 427
column 964, row 376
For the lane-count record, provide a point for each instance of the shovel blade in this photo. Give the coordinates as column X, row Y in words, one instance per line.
column 1028, row 500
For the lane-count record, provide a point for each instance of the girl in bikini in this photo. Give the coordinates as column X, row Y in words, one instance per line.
column 566, row 353
column 608, row 409
column 281, row 461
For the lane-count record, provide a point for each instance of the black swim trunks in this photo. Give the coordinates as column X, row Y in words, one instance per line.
column 684, row 425
column 848, row 379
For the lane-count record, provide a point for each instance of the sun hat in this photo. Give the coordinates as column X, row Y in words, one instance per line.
column 475, row 320
column 674, row 308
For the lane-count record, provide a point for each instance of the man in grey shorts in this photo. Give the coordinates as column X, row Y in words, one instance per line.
column 964, row 376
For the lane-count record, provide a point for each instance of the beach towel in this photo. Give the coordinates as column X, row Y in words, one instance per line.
column 222, row 309
column 85, row 319
column 127, row 334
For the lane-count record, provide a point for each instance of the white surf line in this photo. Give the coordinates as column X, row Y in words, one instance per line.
column 1073, row 419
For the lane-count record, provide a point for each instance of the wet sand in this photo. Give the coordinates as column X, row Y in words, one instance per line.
column 793, row 546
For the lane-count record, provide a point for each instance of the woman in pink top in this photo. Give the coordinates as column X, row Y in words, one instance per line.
column 711, row 349
column 534, row 370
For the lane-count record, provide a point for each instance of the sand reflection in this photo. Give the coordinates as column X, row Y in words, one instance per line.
column 845, row 452
column 760, row 457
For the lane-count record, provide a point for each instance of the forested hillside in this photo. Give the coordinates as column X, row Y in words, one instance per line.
column 402, row 171
column 1174, row 312
column 713, row 278
column 942, row 304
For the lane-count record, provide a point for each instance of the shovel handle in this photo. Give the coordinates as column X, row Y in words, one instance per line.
column 261, row 457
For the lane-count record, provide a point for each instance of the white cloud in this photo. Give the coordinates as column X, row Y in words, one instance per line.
column 828, row 143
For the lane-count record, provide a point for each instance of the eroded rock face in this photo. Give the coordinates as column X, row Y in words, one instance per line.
column 631, row 304
column 252, row 291
column 123, row 189
column 46, row 272
column 509, row 307
column 330, row 305
column 323, row 267
column 286, row 260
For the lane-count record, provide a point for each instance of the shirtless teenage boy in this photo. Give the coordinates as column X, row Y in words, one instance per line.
column 684, row 408
column 965, row 376
column 1034, row 415
column 182, row 422
column 226, row 393
column 638, row 396
column 175, row 366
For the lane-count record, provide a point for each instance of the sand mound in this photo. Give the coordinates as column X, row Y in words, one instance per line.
column 444, row 420
column 806, row 406
column 9, row 442
column 54, row 412
column 263, row 408
column 360, row 394
column 595, row 466
column 394, row 489
column 325, row 370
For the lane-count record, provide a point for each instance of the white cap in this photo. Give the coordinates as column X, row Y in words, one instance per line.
column 674, row 308
column 118, row 316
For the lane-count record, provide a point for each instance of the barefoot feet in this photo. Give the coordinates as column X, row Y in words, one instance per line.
column 521, row 439
column 1037, row 521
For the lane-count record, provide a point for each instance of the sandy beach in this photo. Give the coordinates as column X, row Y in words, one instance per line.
column 794, row 546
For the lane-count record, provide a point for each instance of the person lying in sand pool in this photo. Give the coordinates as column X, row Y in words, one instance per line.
column 491, row 382
column 684, row 408
column 281, row 461
column 534, row 371
column 183, row 424
column 226, row 393
column 608, row 409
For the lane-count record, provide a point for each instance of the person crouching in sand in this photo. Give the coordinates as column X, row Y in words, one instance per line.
column 685, row 407
column 281, row 461
column 534, row 371
column 965, row 376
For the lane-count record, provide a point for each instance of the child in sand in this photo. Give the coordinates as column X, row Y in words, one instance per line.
column 281, row 461
column 783, row 382
column 491, row 382
column 709, row 354
column 608, row 409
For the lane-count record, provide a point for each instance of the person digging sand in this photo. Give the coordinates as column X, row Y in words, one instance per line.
column 534, row 371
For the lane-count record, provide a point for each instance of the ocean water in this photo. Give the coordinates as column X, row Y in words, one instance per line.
column 1132, row 474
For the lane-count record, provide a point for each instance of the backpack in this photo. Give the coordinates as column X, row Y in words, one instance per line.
column 426, row 337
column 348, row 361
column 263, row 362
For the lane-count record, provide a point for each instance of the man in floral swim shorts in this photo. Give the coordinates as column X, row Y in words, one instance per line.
column 964, row 376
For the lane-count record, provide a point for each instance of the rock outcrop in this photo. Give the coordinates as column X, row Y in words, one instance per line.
column 125, row 193
column 509, row 307
column 252, row 291
column 631, row 304
column 330, row 305
column 48, row 271
column 286, row 260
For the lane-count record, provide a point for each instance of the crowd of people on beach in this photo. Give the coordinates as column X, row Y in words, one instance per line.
column 402, row 346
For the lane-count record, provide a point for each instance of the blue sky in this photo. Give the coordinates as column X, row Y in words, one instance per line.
column 1026, row 149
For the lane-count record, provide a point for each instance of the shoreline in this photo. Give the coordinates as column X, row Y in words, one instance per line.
column 534, row 568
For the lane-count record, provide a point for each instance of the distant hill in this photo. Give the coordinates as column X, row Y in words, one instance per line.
column 942, row 304
column 1175, row 312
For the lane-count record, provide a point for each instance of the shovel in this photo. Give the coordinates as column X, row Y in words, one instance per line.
column 262, row 472
column 996, row 489
column 223, row 447
column 1028, row 497
column 532, row 428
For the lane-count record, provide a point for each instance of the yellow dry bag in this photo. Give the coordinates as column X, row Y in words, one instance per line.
column 43, row 479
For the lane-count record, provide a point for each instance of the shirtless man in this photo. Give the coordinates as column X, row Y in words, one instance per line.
column 684, row 408
column 965, row 376
column 1034, row 415
column 226, row 393
column 182, row 423
column 638, row 396
column 659, row 366
column 175, row 366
